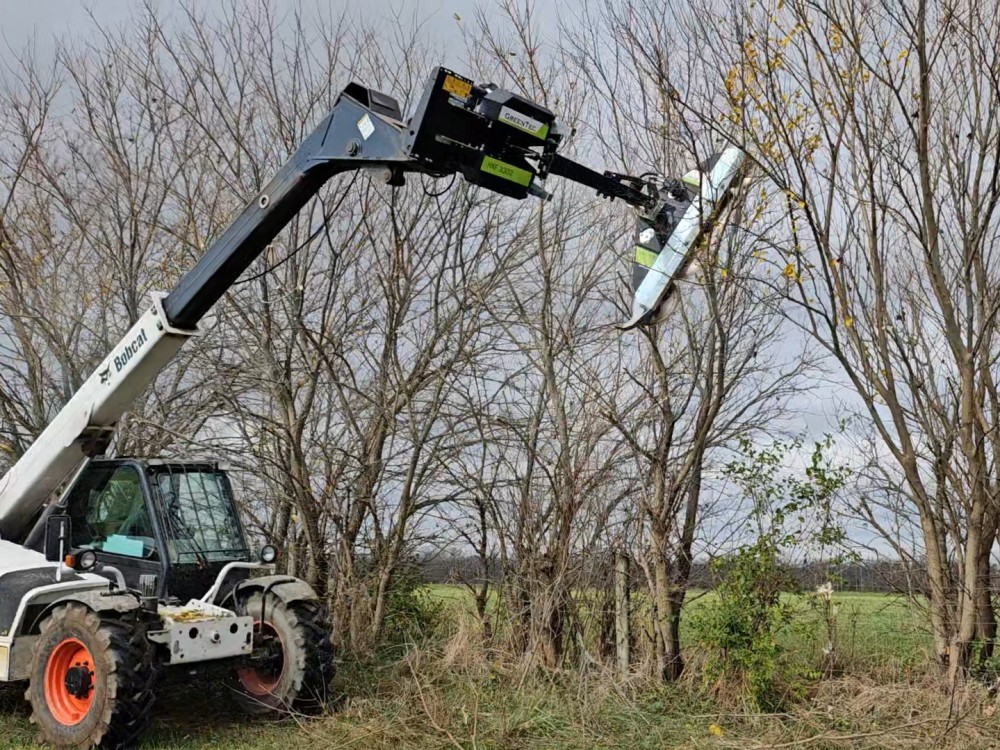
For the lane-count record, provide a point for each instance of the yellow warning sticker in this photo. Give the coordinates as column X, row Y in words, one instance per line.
column 457, row 86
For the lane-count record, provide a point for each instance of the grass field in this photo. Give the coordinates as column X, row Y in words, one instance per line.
column 453, row 695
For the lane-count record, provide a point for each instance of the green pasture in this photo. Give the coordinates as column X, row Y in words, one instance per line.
column 881, row 629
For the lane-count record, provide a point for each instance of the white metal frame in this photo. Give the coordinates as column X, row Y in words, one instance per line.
column 96, row 407
column 660, row 282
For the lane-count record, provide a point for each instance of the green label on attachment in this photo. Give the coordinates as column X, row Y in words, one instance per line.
column 506, row 171
column 645, row 257
column 523, row 122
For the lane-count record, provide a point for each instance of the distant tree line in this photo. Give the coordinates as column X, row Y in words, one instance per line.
column 876, row 576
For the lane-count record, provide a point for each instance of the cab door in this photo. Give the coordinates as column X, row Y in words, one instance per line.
column 111, row 513
column 202, row 532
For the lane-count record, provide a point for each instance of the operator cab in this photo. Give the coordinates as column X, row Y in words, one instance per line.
column 169, row 527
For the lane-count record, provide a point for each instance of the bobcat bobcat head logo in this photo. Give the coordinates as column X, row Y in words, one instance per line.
column 105, row 375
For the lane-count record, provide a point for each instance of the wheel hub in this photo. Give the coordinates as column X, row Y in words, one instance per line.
column 269, row 653
column 268, row 662
column 79, row 681
column 69, row 682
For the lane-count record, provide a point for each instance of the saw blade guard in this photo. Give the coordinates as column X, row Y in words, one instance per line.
column 668, row 237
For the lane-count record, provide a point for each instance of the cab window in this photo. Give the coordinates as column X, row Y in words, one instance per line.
column 110, row 513
column 199, row 516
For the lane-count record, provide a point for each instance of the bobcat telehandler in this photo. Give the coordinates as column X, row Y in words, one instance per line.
column 114, row 570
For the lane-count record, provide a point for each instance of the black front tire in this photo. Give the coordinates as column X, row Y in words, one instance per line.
column 298, row 681
column 123, row 678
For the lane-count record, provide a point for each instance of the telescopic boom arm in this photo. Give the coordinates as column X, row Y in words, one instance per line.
column 493, row 138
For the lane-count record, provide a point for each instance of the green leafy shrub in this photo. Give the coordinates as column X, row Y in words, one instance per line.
column 739, row 626
column 413, row 614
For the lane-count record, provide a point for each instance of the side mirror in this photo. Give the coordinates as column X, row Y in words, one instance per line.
column 58, row 537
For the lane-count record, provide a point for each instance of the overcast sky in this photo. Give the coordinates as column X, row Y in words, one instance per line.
column 42, row 22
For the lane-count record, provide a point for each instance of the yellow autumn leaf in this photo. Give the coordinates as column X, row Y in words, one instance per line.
column 800, row 202
column 716, row 730
column 724, row 272
column 790, row 271
column 848, row 321
column 903, row 54
column 836, row 41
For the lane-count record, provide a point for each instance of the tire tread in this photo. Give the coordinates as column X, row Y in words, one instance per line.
column 118, row 642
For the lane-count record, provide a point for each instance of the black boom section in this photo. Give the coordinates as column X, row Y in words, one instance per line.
column 360, row 131
column 493, row 138
column 605, row 184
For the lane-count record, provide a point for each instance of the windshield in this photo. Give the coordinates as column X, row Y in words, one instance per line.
column 199, row 516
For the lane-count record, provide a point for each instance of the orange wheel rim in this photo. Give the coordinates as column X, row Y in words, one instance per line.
column 263, row 681
column 69, row 682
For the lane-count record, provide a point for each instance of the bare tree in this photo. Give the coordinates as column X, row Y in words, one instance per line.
column 876, row 126
column 720, row 369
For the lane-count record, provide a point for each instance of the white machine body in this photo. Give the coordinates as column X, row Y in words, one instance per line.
column 194, row 632
column 15, row 558
column 92, row 413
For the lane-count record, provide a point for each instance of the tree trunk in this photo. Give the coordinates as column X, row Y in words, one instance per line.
column 549, row 635
column 666, row 616
column 986, row 621
column 673, row 664
column 622, row 634
column 938, row 579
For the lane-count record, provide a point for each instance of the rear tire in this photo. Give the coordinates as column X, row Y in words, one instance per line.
column 92, row 680
column 298, row 679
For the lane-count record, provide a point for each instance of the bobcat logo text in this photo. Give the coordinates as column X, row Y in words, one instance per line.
column 129, row 351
